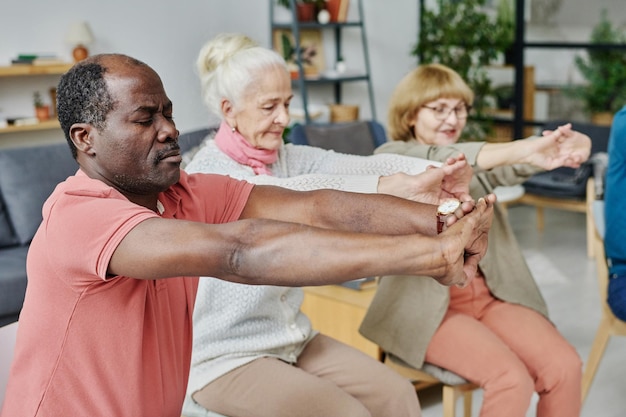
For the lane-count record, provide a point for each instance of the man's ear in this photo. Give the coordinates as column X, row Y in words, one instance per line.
column 80, row 133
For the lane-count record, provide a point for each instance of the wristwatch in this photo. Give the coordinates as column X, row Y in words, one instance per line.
column 445, row 209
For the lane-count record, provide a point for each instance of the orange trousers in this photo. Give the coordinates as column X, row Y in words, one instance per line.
column 510, row 351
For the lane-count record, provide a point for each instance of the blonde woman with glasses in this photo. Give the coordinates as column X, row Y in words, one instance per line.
column 495, row 332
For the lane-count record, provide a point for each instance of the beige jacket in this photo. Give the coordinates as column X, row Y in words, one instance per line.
column 406, row 311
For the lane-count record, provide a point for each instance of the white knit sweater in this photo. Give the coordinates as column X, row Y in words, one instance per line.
column 235, row 323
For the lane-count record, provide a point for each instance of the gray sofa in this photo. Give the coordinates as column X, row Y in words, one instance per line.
column 27, row 177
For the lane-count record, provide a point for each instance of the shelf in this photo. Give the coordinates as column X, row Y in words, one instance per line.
column 327, row 80
column 24, row 69
column 48, row 124
column 313, row 25
column 325, row 76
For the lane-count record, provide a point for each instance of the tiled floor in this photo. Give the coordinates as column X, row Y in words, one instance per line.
column 567, row 278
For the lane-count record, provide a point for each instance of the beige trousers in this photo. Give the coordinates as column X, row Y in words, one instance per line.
column 330, row 379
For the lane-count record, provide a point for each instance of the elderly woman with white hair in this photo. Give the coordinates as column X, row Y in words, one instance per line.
column 255, row 352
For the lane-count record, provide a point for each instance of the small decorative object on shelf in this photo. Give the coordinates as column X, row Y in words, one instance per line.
column 311, row 53
column 340, row 66
column 343, row 113
column 79, row 35
column 323, row 16
column 53, row 101
column 42, row 111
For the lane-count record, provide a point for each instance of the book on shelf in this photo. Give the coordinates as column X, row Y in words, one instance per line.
column 21, row 61
column 22, row 121
column 49, row 61
column 34, row 59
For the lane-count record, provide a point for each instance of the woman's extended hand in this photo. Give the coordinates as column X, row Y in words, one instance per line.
column 450, row 180
column 574, row 147
column 457, row 176
column 560, row 147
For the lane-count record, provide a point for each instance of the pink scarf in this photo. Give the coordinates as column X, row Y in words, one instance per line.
column 239, row 149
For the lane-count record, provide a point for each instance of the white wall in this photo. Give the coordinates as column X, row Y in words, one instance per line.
column 168, row 35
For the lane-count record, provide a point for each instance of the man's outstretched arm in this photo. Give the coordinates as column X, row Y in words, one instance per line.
column 314, row 238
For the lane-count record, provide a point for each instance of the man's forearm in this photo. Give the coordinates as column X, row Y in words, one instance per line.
column 375, row 213
column 365, row 213
column 294, row 255
column 264, row 251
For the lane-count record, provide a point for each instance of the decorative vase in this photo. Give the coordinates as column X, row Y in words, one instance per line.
column 602, row 118
column 42, row 113
column 305, row 12
column 333, row 7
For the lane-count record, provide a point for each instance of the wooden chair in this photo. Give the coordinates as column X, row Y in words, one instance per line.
column 564, row 188
column 454, row 386
column 609, row 324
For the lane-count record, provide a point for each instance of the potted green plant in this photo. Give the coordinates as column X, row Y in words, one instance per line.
column 42, row 111
column 505, row 20
column 604, row 71
column 466, row 38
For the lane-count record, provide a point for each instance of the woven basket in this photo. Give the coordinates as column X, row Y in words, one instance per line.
column 343, row 113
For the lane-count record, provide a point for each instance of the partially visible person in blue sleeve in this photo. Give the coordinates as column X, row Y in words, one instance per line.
column 615, row 201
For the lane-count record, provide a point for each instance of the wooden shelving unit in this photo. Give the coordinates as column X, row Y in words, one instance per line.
column 48, row 124
column 23, row 70
column 302, row 82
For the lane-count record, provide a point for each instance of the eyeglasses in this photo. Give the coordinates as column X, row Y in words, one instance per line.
column 443, row 112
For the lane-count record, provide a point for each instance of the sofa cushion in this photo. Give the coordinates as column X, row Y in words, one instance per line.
column 28, row 176
column 12, row 280
column 562, row 182
column 7, row 237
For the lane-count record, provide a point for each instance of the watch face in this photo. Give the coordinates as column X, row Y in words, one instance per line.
column 448, row 206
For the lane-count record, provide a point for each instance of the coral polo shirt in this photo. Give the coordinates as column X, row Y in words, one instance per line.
column 92, row 345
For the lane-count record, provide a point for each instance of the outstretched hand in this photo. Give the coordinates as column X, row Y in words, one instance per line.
column 464, row 243
column 458, row 174
column 450, row 180
column 560, row 147
column 574, row 146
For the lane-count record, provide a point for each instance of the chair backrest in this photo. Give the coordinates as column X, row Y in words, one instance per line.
column 357, row 138
column 596, row 211
column 193, row 138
